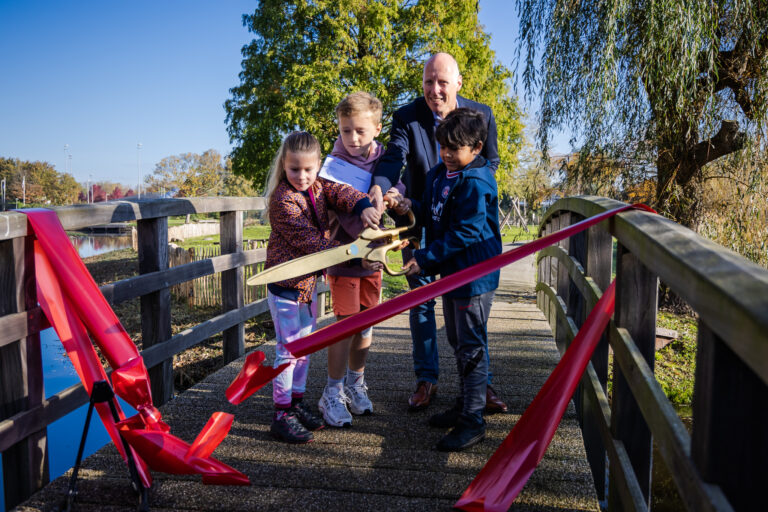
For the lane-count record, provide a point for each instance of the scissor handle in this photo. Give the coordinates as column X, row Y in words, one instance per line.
column 380, row 254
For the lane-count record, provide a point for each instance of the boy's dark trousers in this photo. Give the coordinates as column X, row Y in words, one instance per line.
column 465, row 326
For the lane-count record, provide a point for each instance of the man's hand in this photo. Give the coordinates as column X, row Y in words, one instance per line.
column 371, row 217
column 376, row 198
column 412, row 266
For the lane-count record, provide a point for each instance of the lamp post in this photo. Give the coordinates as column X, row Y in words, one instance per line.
column 24, row 189
column 3, row 186
column 138, row 168
column 88, row 195
column 66, row 157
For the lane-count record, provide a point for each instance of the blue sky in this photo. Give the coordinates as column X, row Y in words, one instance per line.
column 103, row 76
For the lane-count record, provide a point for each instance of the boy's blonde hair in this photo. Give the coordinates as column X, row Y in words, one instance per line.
column 295, row 142
column 360, row 103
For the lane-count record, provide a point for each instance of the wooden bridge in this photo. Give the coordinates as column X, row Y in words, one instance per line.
column 385, row 461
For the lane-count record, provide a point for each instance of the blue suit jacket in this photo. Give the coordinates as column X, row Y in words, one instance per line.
column 412, row 144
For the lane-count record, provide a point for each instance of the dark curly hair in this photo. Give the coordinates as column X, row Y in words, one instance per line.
column 462, row 127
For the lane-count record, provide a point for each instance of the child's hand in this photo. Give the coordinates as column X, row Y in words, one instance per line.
column 375, row 196
column 412, row 266
column 372, row 265
column 392, row 198
column 371, row 217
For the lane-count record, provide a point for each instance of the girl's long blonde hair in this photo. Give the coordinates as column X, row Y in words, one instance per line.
column 295, row 142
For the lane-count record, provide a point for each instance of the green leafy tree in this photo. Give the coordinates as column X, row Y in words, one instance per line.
column 38, row 181
column 684, row 81
column 191, row 174
column 307, row 55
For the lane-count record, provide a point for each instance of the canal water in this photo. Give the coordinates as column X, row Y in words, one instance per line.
column 58, row 374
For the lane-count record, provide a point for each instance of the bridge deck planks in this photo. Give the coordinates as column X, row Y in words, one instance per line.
column 386, row 461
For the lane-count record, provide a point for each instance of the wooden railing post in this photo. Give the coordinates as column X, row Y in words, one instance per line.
column 729, row 443
column 25, row 465
column 636, row 305
column 156, row 306
column 597, row 265
column 232, row 286
column 563, row 284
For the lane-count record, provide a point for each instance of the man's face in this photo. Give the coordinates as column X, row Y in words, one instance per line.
column 441, row 83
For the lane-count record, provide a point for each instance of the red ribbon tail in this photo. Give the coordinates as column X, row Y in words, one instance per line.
column 502, row 478
column 252, row 377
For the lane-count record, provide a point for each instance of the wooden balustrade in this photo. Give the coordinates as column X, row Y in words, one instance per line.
column 25, row 412
column 721, row 465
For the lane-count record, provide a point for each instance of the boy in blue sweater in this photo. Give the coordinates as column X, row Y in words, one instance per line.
column 459, row 210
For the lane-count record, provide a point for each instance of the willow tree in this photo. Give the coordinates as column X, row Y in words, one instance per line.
column 306, row 55
column 682, row 80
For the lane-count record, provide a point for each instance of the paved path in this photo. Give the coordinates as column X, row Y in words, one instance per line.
column 386, row 461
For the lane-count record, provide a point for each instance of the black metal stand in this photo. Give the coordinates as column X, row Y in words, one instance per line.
column 102, row 392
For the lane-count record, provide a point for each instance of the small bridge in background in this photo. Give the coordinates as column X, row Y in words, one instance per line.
column 385, row 461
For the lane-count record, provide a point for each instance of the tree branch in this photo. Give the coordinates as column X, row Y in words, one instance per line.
column 727, row 140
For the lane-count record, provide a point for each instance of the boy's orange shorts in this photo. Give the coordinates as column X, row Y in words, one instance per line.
column 353, row 294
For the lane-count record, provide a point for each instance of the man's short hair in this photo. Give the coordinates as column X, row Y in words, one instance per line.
column 360, row 103
column 462, row 127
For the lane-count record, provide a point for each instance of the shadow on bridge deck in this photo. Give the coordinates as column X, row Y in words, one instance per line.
column 386, row 461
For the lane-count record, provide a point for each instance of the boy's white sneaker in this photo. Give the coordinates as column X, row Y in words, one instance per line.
column 359, row 403
column 333, row 405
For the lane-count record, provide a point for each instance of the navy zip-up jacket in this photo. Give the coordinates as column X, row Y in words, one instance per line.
column 460, row 212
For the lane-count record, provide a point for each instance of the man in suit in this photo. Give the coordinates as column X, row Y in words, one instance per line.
column 412, row 145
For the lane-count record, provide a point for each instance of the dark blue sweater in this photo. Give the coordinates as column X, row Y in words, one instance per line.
column 460, row 213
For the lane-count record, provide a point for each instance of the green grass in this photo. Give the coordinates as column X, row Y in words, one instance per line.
column 252, row 232
column 518, row 234
column 676, row 363
column 392, row 286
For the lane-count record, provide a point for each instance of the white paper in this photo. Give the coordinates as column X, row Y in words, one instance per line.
column 336, row 169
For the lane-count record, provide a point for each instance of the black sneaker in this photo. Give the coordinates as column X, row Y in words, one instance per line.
column 448, row 418
column 306, row 417
column 287, row 427
column 466, row 433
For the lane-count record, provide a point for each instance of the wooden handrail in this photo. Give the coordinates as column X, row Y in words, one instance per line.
column 730, row 295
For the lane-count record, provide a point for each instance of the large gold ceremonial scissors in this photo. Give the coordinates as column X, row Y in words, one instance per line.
column 388, row 240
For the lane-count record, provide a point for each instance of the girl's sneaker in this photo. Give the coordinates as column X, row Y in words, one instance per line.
column 359, row 403
column 287, row 427
column 333, row 405
column 306, row 417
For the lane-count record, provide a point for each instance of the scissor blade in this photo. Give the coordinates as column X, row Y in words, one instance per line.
column 305, row 265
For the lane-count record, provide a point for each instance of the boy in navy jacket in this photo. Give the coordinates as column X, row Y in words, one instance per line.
column 460, row 213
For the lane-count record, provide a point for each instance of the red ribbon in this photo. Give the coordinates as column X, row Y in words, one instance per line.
column 502, row 478
column 342, row 329
column 73, row 304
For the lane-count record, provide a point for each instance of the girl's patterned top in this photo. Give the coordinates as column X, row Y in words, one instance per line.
column 298, row 229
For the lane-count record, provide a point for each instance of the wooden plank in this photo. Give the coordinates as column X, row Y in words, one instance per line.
column 14, row 224
column 730, row 414
column 127, row 289
column 562, row 279
column 201, row 332
column 156, row 306
column 636, row 304
column 668, row 430
column 232, row 284
column 624, row 481
column 20, row 325
column 26, row 423
column 597, row 266
column 25, row 464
